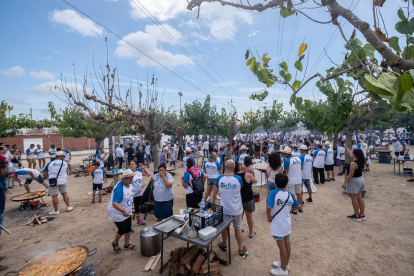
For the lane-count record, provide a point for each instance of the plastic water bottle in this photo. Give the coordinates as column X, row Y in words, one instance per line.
column 202, row 205
column 89, row 156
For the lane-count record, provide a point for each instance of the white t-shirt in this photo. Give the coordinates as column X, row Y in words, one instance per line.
column 296, row 154
column 293, row 164
column 229, row 187
column 271, row 148
column 212, row 169
column 281, row 223
column 119, row 152
column 137, row 184
column 329, row 156
column 40, row 153
column 101, row 161
column 52, row 152
column 340, row 150
column 319, row 159
column 161, row 192
column 205, row 145
column 398, row 147
column 306, row 162
column 185, row 161
column 148, row 149
column 22, row 173
column 240, row 158
column 124, row 197
column 30, row 153
column 53, row 168
column 272, row 173
column 187, row 179
column 98, row 176
column 7, row 155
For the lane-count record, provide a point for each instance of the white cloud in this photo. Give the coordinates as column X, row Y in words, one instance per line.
column 200, row 36
column 251, row 89
column 15, row 71
column 16, row 100
column 253, row 33
column 148, row 43
column 41, row 75
column 215, row 48
column 48, row 88
column 172, row 7
column 84, row 26
column 56, row 52
column 192, row 24
column 159, row 34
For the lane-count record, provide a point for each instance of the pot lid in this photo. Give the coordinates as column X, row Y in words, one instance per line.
column 149, row 232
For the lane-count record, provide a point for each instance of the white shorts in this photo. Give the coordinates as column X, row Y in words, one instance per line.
column 295, row 188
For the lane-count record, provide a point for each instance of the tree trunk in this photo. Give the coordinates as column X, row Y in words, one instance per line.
column 335, row 141
column 111, row 144
column 156, row 154
column 98, row 144
column 348, row 143
column 395, row 131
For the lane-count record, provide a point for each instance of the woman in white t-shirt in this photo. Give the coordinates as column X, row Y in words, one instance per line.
column 40, row 156
column 213, row 170
column 274, row 167
column 30, row 152
column 137, row 188
column 163, row 193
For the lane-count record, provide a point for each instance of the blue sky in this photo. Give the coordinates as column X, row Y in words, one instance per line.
column 43, row 39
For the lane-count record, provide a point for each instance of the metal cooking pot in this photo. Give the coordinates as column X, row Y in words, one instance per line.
column 150, row 242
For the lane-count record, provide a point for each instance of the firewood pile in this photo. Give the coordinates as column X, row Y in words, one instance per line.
column 193, row 262
column 38, row 220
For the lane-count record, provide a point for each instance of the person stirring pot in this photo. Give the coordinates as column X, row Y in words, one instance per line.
column 137, row 188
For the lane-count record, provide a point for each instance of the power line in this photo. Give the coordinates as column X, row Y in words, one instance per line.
column 160, row 64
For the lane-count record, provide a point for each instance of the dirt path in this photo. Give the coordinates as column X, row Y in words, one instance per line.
column 323, row 241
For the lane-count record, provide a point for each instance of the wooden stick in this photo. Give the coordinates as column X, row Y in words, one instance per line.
column 27, row 223
column 7, row 231
column 154, row 264
column 182, row 228
column 38, row 221
column 148, row 265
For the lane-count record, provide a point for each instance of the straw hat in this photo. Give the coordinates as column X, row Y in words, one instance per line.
column 385, row 139
column 243, row 148
column 317, row 143
column 364, row 145
column 60, row 153
column 287, row 150
column 303, row 147
column 394, row 138
column 327, row 143
column 187, row 149
column 128, row 173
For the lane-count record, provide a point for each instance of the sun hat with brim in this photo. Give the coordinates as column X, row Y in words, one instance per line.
column 128, row 173
column 394, row 138
column 243, row 148
column 303, row 147
column 60, row 153
column 385, row 139
column 287, row 150
column 364, row 145
column 187, row 150
column 327, row 144
column 317, row 143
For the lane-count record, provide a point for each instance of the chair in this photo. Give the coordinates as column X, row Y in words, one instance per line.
column 148, row 198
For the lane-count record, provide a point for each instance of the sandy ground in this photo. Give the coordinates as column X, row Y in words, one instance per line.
column 323, row 241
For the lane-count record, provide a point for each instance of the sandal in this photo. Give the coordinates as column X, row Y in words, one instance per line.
column 130, row 247
column 116, row 250
column 254, row 234
column 243, row 252
column 222, row 247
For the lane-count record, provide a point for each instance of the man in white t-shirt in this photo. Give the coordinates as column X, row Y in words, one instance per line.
column 292, row 168
column 119, row 153
column 318, row 165
column 100, row 157
column 187, row 155
column 58, row 170
column 52, row 153
column 329, row 163
column 40, row 154
column 242, row 155
column 278, row 208
column 29, row 175
column 341, row 157
column 229, row 186
column 306, row 172
column 31, row 160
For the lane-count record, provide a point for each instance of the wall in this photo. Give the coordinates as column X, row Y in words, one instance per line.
column 53, row 139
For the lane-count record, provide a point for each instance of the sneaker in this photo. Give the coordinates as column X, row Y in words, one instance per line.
column 315, row 182
column 101, row 200
column 70, row 208
column 294, row 212
column 132, row 231
column 303, row 203
column 141, row 223
column 218, row 197
column 339, row 174
column 278, row 272
column 362, row 217
column 333, row 179
column 208, row 198
column 327, row 180
column 353, row 217
column 54, row 212
column 93, row 201
column 278, row 264
column 301, row 210
column 309, row 200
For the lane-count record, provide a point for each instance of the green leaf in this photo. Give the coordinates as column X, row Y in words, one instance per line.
column 401, row 15
column 270, row 83
column 369, row 49
column 255, row 68
column 410, row 54
column 265, row 75
column 288, row 77
column 285, row 12
column 298, row 65
column 405, row 27
column 386, row 84
column 299, row 101
column 292, row 99
column 314, row 115
column 284, row 66
column 308, row 102
column 324, row 90
column 282, row 73
column 296, row 84
column 394, row 44
column 404, row 83
column 340, row 82
column 250, row 60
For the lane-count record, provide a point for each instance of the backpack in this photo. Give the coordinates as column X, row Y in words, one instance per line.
column 197, row 184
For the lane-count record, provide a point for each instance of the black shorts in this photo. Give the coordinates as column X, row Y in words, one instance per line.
column 398, row 153
column 97, row 186
column 124, row 227
column 329, row 168
column 137, row 204
column 172, row 163
column 193, row 200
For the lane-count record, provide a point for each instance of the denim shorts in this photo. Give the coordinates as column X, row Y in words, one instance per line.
column 1, row 222
column 211, row 181
column 341, row 162
column 306, row 182
column 280, row 238
column 271, row 186
column 29, row 181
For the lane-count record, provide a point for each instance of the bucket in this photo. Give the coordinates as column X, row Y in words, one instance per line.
column 256, row 197
column 408, row 171
column 91, row 169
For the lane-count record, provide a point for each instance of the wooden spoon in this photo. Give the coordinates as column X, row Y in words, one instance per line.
column 182, row 228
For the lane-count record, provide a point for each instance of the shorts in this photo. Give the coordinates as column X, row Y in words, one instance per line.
column 271, row 186
column 67, row 162
column 398, row 153
column 96, row 186
column 33, row 161
column 341, row 162
column 148, row 157
column 137, row 204
column 172, row 163
column 294, row 188
column 355, row 185
column 193, row 200
column 280, row 238
column 211, row 181
column 329, row 168
column 124, row 227
column 1, row 222
column 54, row 190
column 237, row 221
column 163, row 209
column 306, row 182
column 29, row 181
column 249, row 206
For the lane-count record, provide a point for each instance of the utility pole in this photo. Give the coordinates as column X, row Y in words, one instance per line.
column 31, row 114
column 180, row 94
